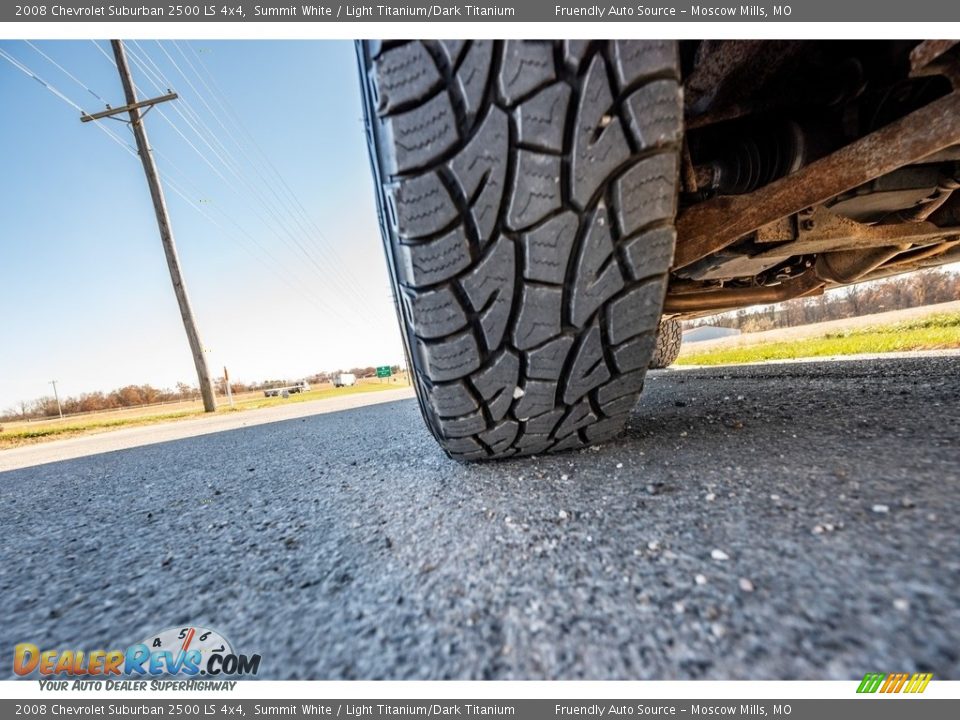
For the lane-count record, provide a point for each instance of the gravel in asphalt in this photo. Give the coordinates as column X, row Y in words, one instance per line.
column 786, row 521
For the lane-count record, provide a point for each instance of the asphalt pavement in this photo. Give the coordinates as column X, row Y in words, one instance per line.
column 774, row 521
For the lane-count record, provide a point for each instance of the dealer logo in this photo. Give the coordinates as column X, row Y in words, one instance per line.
column 178, row 651
column 894, row 683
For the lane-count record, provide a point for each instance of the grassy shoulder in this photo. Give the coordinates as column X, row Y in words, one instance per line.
column 24, row 433
column 935, row 332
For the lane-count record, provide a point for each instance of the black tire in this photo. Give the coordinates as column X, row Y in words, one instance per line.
column 527, row 193
column 667, row 348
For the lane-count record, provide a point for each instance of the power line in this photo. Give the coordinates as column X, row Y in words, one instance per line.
column 233, row 166
column 104, row 53
column 220, row 98
column 65, row 71
column 30, row 73
column 130, row 150
column 281, row 270
column 280, row 275
column 347, row 283
column 157, row 78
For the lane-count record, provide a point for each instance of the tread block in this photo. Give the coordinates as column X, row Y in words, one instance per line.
column 530, row 444
column 462, row 426
column 650, row 253
column 546, row 248
column 480, row 169
column 606, row 429
column 437, row 312
column 636, row 353
column 589, row 368
column 543, row 424
column 599, row 145
column 538, row 178
column 499, row 437
column 489, row 286
column 541, row 120
column 577, row 417
column 497, row 383
column 598, row 276
column 635, row 60
column 538, row 397
column 473, row 74
column 403, row 74
column 452, row 49
column 432, row 262
column 525, row 67
column 452, row 400
column 646, row 193
column 574, row 51
column 463, row 445
column 547, row 361
column 655, row 114
column 470, row 456
column 638, row 311
column 421, row 135
column 539, row 316
column 421, row 206
column 619, row 406
column 570, row 442
column 449, row 359
column 630, row 383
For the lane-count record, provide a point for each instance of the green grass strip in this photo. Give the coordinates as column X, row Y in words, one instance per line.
column 935, row 332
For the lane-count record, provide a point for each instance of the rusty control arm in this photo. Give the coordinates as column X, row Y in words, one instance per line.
column 717, row 223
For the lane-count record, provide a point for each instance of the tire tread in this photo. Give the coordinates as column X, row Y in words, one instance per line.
column 529, row 191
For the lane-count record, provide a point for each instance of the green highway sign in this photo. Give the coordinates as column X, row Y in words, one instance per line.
column 384, row 371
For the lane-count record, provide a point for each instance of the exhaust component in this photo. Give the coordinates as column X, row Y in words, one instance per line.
column 933, row 203
column 729, row 299
column 848, row 266
column 931, row 251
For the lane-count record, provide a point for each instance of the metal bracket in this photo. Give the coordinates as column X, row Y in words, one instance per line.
column 822, row 231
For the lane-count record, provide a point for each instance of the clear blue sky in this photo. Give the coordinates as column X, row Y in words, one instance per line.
column 86, row 295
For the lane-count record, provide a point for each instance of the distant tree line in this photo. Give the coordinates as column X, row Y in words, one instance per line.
column 922, row 288
column 127, row 396
column 139, row 395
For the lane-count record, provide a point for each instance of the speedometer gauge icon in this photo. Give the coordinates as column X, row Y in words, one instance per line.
column 190, row 638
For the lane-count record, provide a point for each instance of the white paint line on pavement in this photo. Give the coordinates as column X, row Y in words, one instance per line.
column 124, row 438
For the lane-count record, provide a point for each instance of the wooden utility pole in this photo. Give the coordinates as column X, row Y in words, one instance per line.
column 56, row 397
column 226, row 382
column 133, row 107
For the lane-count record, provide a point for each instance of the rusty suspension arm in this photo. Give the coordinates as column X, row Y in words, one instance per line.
column 717, row 223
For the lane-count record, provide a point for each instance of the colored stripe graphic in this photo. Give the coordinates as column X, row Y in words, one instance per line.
column 870, row 683
column 894, row 682
column 918, row 683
